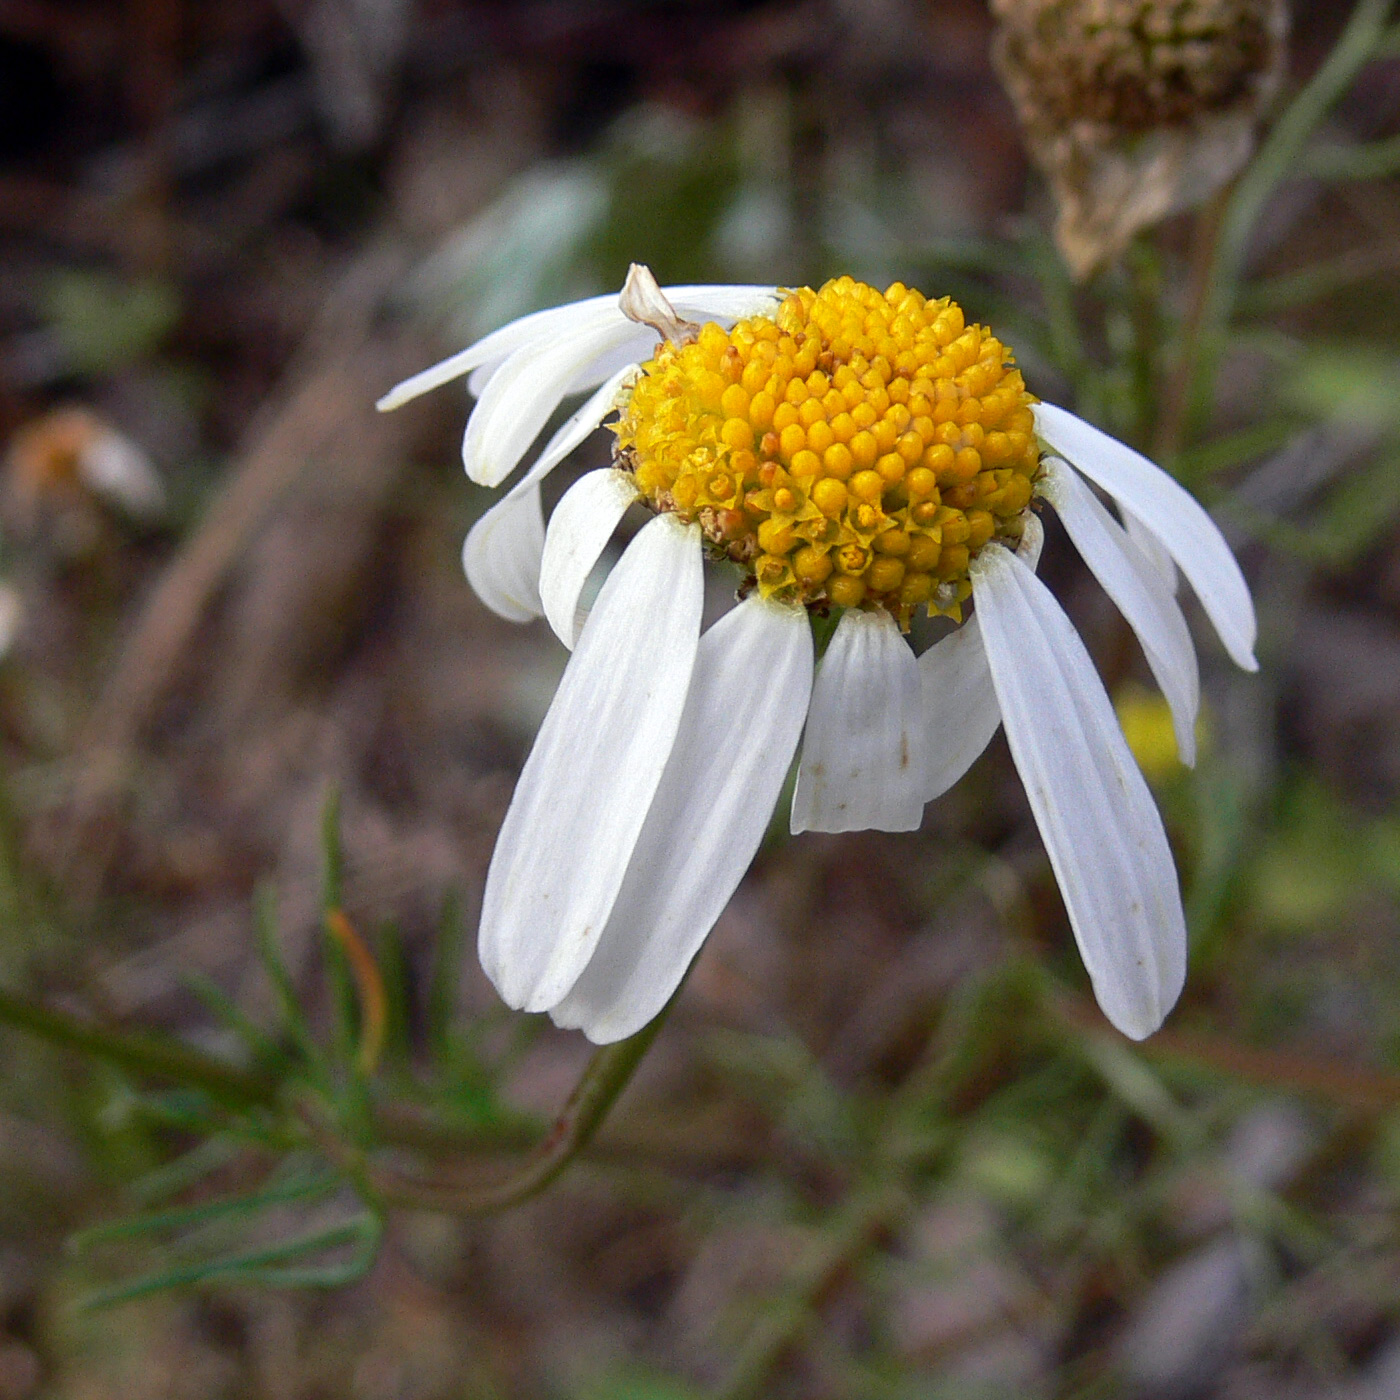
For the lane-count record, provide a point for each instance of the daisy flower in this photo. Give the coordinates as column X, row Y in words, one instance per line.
column 852, row 451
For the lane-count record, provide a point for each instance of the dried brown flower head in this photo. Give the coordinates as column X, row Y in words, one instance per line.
column 1136, row 109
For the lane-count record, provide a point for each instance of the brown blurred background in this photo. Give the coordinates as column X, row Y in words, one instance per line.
column 229, row 585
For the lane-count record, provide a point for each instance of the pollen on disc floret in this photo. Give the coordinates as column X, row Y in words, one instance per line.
column 854, row 448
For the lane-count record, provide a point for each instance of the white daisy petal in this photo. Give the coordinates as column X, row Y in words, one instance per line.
column 585, row 789
column 503, row 552
column 956, row 694
column 1153, row 548
column 579, row 530
column 480, row 377
column 502, row 556
column 494, row 348
column 1032, row 541
column 743, row 716
column 1101, row 829
column 526, row 390
column 575, row 430
column 1140, row 593
column 720, row 303
column 959, row 706
column 1178, row 520
column 863, row 753
column 626, row 355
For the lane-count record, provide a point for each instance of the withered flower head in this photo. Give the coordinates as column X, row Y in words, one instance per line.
column 1136, row 109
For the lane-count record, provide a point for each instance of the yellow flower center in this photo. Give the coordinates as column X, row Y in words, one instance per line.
column 855, row 448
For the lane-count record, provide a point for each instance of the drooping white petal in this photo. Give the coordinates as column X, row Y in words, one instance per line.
column 502, row 556
column 495, row 348
column 958, row 699
column 626, row 354
column 724, row 305
column 1100, row 826
column 575, row 429
column 480, row 377
column 1153, row 548
column 1139, row 591
column 503, row 552
column 959, row 706
column 526, row 390
column 959, row 702
column 721, row 303
column 863, row 753
column 585, row 789
column 743, row 716
column 1178, row 520
column 579, row 530
column 1032, row 541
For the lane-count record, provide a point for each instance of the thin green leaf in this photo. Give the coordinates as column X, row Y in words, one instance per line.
column 302, row 1187
column 185, row 1171
column 1371, row 160
column 394, row 971
column 257, row 1266
column 269, row 953
column 219, row 1004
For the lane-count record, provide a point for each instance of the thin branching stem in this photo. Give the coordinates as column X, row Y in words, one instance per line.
column 607, row 1074
column 155, row 1057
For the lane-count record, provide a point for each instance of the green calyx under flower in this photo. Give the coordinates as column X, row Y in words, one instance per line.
column 855, row 448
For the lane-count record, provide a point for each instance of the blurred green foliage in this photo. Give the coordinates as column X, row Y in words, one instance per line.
column 103, row 323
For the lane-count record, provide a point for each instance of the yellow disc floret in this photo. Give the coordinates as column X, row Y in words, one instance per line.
column 855, row 448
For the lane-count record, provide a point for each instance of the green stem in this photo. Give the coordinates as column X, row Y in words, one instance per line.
column 394, row 1123
column 605, row 1077
column 1278, row 156
column 1205, row 245
column 156, row 1057
column 1388, row 45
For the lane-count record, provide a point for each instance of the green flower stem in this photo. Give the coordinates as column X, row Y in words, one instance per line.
column 605, row 1077
column 140, row 1053
column 1279, row 156
column 1176, row 395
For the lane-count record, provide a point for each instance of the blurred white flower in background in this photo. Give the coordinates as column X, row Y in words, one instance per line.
column 73, row 449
